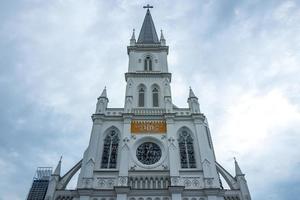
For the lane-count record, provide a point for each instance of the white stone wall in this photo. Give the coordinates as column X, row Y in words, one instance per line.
column 159, row 61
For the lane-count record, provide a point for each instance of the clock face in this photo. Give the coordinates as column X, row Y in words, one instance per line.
column 148, row 153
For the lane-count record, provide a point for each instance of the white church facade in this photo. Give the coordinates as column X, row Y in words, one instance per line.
column 150, row 149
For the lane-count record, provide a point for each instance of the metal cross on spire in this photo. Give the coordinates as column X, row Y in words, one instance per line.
column 148, row 6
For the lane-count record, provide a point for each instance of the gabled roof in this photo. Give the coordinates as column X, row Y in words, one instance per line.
column 148, row 33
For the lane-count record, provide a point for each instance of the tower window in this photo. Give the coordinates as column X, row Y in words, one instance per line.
column 148, row 64
column 186, row 150
column 155, row 97
column 110, row 150
column 142, row 97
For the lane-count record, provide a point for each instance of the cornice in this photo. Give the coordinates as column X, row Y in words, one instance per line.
column 148, row 75
column 146, row 47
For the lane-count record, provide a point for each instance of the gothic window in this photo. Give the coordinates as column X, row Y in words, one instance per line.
column 110, row 150
column 142, row 97
column 148, row 153
column 155, row 97
column 186, row 150
column 148, row 64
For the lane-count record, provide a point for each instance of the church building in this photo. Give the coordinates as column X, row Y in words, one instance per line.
column 150, row 149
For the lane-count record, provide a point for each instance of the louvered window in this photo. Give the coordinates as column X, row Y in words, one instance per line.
column 142, row 97
column 148, row 64
column 155, row 97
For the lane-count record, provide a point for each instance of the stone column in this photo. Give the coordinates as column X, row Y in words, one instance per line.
column 176, row 192
column 122, row 192
column 125, row 152
column 172, row 150
column 90, row 155
column 211, row 178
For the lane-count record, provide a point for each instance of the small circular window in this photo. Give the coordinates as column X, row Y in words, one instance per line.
column 148, row 153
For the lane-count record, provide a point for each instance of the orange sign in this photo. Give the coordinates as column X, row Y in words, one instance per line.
column 139, row 126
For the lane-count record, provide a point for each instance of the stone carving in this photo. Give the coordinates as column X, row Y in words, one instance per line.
column 107, row 183
column 196, row 183
column 187, row 183
column 175, row 180
column 122, row 181
column 171, row 140
column 87, row 182
column 165, row 166
column 133, row 137
column 133, row 167
column 126, row 140
column 208, row 182
column 192, row 182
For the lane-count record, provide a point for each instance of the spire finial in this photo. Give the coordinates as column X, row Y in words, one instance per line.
column 147, row 6
column 133, row 35
column 162, row 35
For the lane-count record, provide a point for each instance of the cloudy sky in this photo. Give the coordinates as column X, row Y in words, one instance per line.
column 242, row 58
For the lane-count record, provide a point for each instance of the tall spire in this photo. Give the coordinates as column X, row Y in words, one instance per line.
column 238, row 171
column 191, row 94
column 58, row 168
column 148, row 33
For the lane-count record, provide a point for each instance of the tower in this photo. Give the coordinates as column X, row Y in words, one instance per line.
column 150, row 149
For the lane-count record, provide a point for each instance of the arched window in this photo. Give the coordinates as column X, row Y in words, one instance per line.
column 148, row 64
column 110, row 150
column 155, row 97
column 141, row 97
column 186, row 150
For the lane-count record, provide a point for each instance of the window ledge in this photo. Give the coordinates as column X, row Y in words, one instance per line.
column 190, row 170
column 106, row 170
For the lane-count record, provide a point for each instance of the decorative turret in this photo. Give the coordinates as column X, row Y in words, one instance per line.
column 102, row 102
column 132, row 40
column 55, row 177
column 168, row 97
column 238, row 171
column 162, row 38
column 241, row 181
column 58, row 168
column 193, row 102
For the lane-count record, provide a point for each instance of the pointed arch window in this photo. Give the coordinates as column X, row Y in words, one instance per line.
column 148, row 64
column 186, row 150
column 110, row 150
column 141, row 97
column 155, row 97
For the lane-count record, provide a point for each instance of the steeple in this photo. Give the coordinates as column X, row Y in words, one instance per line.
column 148, row 33
column 103, row 94
column 58, row 168
column 238, row 171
